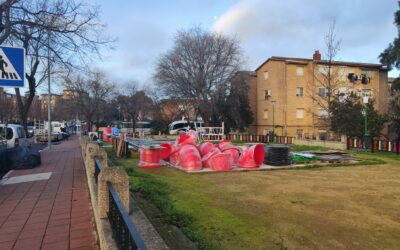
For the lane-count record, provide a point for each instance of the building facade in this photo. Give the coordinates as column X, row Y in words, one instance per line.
column 291, row 92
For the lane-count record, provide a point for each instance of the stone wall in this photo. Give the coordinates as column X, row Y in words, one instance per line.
column 328, row 144
column 99, row 191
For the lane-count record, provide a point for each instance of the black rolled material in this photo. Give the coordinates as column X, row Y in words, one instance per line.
column 277, row 155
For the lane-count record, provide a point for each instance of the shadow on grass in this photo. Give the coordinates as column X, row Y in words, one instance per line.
column 361, row 162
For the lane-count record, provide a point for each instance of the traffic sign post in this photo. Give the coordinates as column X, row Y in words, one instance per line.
column 12, row 67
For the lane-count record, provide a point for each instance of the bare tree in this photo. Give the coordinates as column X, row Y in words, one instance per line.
column 90, row 96
column 326, row 82
column 6, row 21
column 7, row 109
column 135, row 104
column 68, row 29
column 199, row 66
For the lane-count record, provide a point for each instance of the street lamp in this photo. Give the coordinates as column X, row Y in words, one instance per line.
column 48, row 94
column 273, row 120
column 119, row 116
column 366, row 134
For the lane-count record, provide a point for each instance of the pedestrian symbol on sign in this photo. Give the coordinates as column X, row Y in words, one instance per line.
column 12, row 67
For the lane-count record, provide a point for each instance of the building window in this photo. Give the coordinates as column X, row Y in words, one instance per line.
column 299, row 133
column 299, row 71
column 265, row 114
column 322, row 135
column 366, row 92
column 267, row 94
column 342, row 73
column 299, row 91
column 323, row 113
column 322, row 91
column 299, row 113
column 324, row 69
column 266, row 75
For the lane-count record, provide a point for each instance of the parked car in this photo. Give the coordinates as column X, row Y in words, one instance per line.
column 14, row 134
column 23, row 158
column 31, row 130
column 183, row 126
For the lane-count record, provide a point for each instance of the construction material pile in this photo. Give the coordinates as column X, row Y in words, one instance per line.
column 189, row 156
column 277, row 155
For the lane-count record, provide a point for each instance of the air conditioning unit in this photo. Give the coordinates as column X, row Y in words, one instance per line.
column 365, row 79
column 269, row 93
column 352, row 77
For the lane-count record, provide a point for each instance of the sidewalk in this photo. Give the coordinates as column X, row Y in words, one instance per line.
column 48, row 207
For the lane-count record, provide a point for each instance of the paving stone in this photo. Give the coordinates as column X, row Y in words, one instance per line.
column 53, row 213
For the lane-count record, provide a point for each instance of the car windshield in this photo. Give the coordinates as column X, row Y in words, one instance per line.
column 180, row 125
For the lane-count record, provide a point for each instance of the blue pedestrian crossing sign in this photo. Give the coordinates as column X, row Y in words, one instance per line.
column 12, row 67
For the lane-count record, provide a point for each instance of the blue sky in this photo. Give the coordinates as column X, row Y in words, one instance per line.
column 265, row 28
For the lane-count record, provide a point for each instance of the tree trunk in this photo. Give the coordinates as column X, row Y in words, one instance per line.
column 23, row 108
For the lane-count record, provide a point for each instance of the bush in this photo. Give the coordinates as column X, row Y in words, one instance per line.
column 159, row 125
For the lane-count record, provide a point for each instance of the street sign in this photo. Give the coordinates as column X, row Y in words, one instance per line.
column 12, row 67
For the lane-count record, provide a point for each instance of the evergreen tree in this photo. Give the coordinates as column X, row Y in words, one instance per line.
column 390, row 57
column 347, row 117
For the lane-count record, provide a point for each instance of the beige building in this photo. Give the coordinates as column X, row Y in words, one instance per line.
column 291, row 92
column 55, row 100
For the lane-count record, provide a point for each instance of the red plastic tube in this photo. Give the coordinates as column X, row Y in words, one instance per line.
column 106, row 133
column 252, row 157
column 234, row 153
column 167, row 149
column 149, row 157
column 225, row 145
column 221, row 162
column 186, row 139
column 189, row 158
column 174, row 157
column 206, row 147
column 206, row 158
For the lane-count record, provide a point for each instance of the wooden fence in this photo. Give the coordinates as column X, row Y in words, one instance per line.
column 373, row 145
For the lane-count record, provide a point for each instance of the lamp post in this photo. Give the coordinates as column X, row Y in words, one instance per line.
column 119, row 116
column 48, row 95
column 366, row 134
column 273, row 120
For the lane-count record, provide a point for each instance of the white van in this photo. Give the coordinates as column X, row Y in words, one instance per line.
column 14, row 134
column 55, row 126
column 183, row 126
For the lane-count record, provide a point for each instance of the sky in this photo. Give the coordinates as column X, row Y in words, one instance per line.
column 293, row 28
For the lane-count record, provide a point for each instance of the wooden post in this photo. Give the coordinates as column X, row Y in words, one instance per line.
column 372, row 144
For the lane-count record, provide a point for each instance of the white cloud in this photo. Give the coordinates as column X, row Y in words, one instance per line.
column 297, row 27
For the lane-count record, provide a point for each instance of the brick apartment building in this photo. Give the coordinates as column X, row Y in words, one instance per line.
column 286, row 89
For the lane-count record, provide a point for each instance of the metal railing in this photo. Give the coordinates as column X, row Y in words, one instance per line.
column 124, row 231
column 97, row 169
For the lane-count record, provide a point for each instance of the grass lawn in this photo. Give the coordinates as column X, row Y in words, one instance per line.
column 355, row 207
